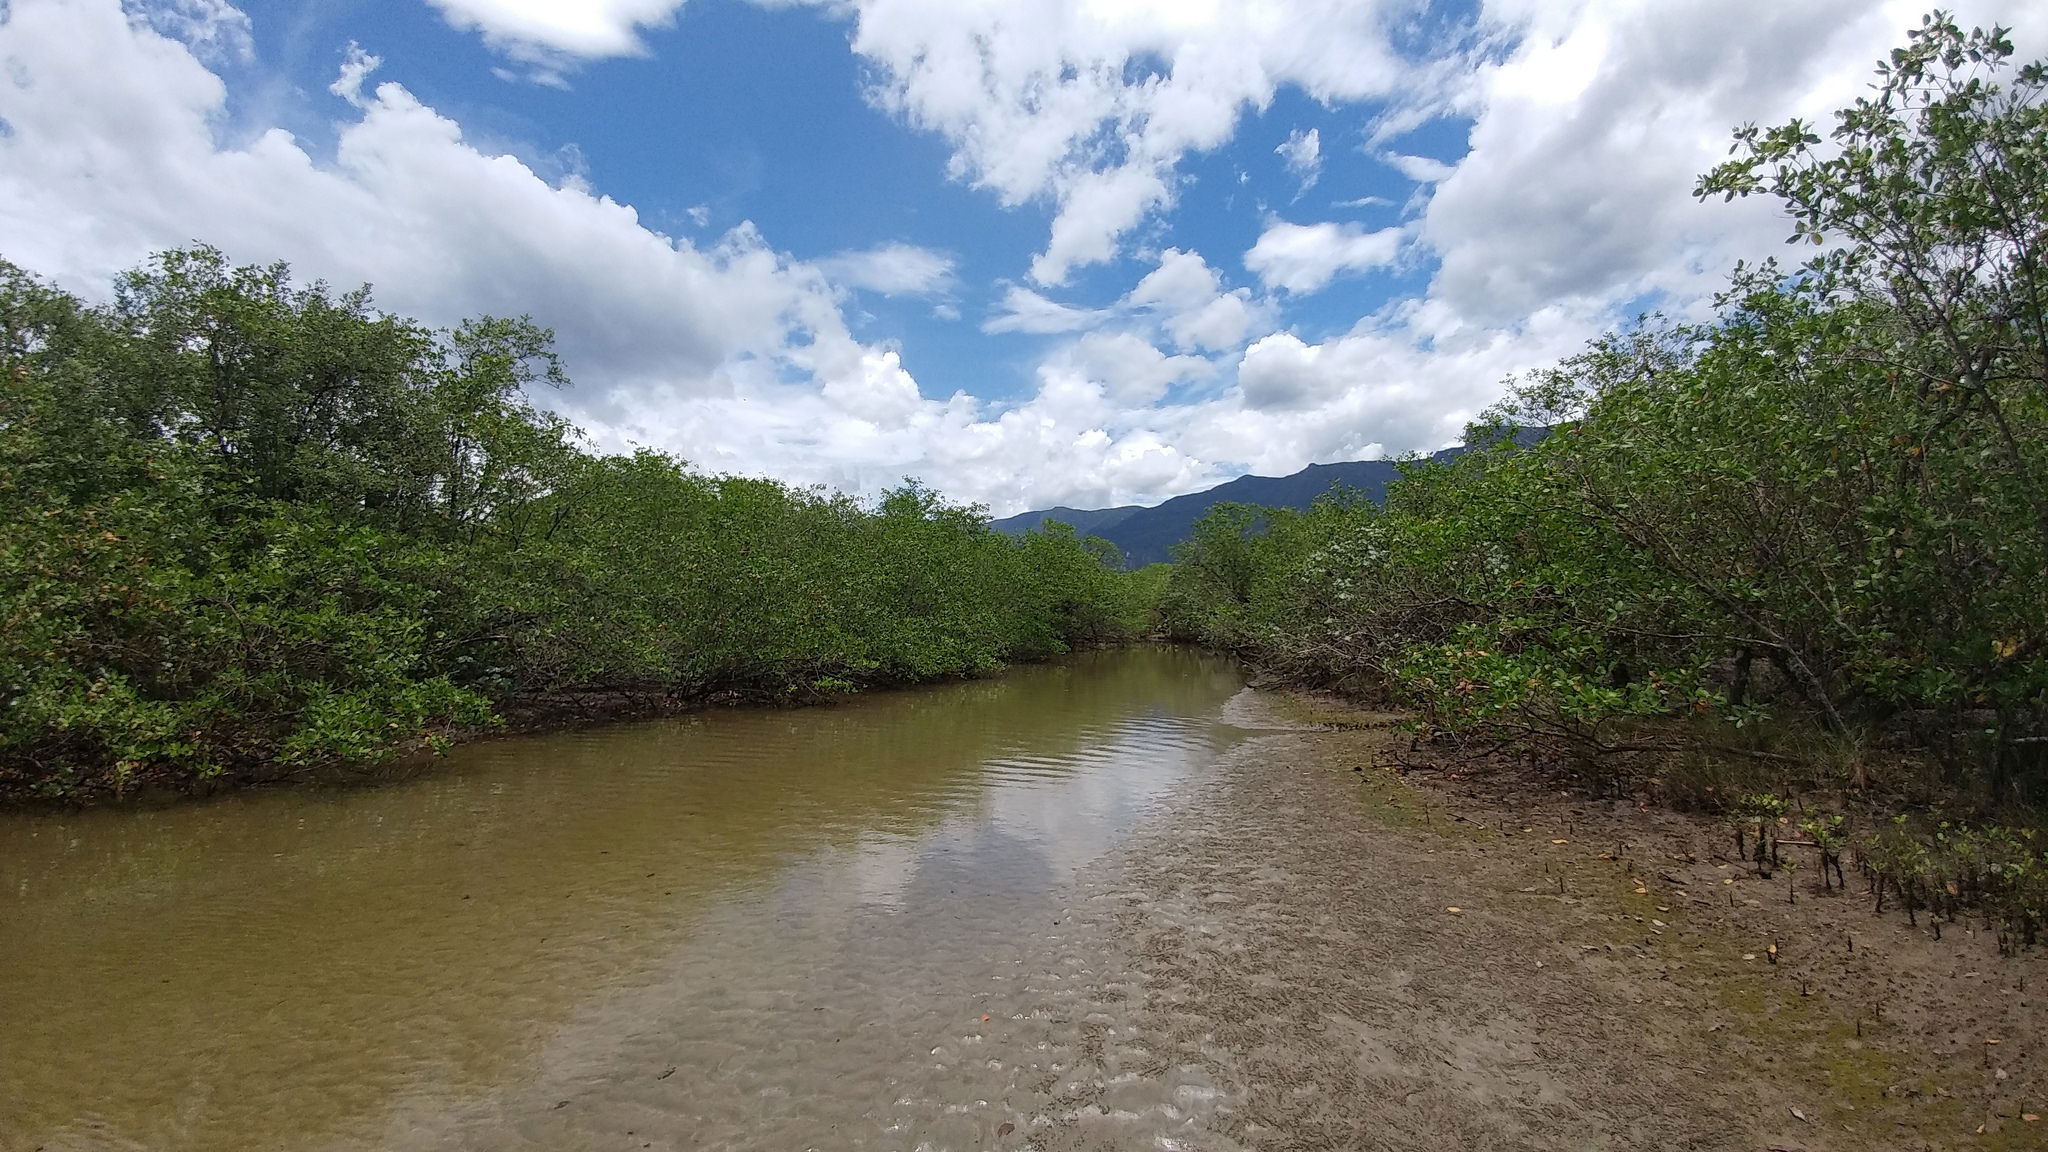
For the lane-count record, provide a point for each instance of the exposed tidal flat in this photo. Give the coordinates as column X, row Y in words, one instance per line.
column 1118, row 901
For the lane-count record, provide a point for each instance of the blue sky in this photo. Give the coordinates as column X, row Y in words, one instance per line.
column 1039, row 251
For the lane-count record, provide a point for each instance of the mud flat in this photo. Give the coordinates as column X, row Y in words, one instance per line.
column 1361, row 959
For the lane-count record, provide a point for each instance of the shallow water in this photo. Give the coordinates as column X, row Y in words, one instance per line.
column 836, row 927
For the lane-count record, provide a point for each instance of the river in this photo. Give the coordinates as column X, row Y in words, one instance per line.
column 1117, row 902
column 829, row 927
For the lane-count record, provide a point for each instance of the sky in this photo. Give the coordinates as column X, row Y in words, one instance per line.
column 1031, row 252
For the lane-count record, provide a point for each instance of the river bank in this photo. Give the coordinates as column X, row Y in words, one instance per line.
column 1435, row 961
column 553, row 712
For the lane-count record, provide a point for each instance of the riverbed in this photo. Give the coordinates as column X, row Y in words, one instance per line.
column 1116, row 902
column 750, row 928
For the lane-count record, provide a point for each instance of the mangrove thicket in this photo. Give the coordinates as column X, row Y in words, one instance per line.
column 1802, row 543
column 249, row 526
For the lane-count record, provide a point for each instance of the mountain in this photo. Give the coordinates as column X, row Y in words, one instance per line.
column 1085, row 521
column 1147, row 535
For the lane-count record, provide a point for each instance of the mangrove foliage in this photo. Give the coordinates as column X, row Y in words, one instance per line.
column 248, row 526
column 1788, row 544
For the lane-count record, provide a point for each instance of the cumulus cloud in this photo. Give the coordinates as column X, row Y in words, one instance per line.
column 1094, row 106
column 550, row 31
column 1188, row 297
column 111, row 155
column 1588, row 134
column 1183, row 296
column 892, row 270
column 1072, row 441
column 356, row 66
column 1090, row 105
column 1131, row 371
column 1280, row 373
column 1304, row 258
column 1588, row 120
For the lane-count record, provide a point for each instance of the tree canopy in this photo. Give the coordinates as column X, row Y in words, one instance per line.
column 1827, row 506
column 248, row 525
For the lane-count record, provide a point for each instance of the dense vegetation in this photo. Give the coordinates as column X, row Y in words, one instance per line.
column 248, row 526
column 1803, row 543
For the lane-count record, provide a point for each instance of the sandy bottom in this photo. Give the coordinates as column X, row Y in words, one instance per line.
column 1285, row 946
column 1300, row 950
column 1355, row 961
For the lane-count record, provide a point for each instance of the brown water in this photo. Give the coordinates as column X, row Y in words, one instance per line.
column 748, row 929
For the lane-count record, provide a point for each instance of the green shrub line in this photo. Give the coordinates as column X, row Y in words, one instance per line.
column 249, row 527
column 1798, row 549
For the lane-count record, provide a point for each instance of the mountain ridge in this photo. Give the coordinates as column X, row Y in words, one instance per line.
column 1146, row 535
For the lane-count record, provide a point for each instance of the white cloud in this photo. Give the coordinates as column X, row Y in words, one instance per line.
column 892, row 270
column 1303, row 154
column 1094, row 105
column 212, row 29
column 1131, row 372
column 881, row 393
column 1194, row 309
column 1280, row 373
column 1182, row 295
column 1420, row 169
column 111, row 155
column 1303, row 258
column 1589, row 122
column 547, row 30
column 1182, row 281
column 356, row 66
column 1023, row 310
column 1589, row 134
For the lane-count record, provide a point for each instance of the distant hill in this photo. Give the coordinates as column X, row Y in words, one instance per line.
column 1147, row 535
column 1085, row 522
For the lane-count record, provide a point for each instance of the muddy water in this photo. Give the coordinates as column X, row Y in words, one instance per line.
column 834, row 927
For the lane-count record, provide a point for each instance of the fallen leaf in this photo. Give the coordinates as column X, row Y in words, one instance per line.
column 1800, row 1116
column 2029, row 1117
column 1642, row 891
column 1454, row 911
column 1749, row 955
column 1560, row 841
